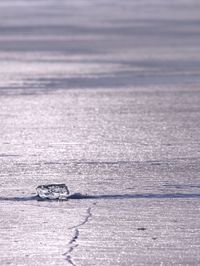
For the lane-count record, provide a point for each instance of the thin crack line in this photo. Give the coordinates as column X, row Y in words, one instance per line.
column 70, row 250
column 75, row 237
column 72, row 243
column 88, row 216
column 72, row 246
column 69, row 259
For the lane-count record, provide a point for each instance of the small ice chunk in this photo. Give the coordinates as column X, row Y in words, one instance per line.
column 53, row 191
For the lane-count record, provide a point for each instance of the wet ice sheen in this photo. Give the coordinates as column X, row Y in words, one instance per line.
column 53, row 191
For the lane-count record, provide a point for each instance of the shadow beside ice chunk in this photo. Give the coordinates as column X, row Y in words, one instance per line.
column 53, row 191
column 79, row 196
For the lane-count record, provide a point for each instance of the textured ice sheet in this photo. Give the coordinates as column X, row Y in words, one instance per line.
column 132, row 175
column 103, row 96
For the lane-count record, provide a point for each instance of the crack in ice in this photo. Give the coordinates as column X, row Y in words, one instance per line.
column 72, row 243
column 88, row 216
column 75, row 237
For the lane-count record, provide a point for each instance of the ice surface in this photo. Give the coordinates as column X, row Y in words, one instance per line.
column 53, row 191
column 105, row 95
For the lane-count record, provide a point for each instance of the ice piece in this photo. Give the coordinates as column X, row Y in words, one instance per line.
column 53, row 191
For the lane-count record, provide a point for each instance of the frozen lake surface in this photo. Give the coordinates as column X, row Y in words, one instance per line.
column 103, row 96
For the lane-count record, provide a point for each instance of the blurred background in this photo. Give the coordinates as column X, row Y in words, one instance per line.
column 50, row 44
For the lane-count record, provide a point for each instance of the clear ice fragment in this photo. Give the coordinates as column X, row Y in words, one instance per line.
column 53, row 191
